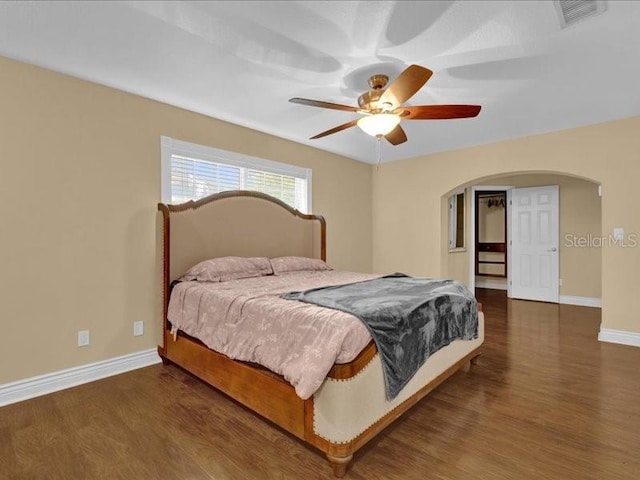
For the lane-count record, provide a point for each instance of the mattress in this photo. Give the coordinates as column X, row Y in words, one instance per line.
column 247, row 320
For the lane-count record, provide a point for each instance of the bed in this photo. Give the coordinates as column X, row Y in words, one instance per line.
column 333, row 420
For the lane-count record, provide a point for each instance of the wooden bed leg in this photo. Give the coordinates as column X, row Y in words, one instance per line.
column 165, row 360
column 473, row 361
column 339, row 464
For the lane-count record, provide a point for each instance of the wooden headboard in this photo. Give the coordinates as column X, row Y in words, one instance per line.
column 240, row 223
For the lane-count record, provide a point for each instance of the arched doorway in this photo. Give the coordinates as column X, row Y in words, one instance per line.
column 580, row 221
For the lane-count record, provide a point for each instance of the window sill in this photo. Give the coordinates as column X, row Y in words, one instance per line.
column 457, row 250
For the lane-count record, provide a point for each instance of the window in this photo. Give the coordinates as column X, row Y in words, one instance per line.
column 191, row 171
column 456, row 221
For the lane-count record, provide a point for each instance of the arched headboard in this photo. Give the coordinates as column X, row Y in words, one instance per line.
column 241, row 223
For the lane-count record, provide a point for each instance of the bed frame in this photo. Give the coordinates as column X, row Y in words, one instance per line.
column 247, row 223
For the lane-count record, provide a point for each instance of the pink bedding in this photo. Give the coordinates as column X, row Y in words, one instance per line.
column 247, row 320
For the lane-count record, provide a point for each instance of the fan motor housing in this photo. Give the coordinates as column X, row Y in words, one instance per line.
column 369, row 100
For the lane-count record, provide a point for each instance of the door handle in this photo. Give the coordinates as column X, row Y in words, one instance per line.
column 554, row 249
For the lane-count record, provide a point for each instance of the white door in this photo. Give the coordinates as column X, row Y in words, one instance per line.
column 534, row 244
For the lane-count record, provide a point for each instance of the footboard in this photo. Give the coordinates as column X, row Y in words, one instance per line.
column 349, row 412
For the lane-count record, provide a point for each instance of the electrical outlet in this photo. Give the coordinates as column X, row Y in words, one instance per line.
column 83, row 338
column 138, row 328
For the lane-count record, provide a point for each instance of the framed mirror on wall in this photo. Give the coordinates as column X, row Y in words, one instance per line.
column 457, row 219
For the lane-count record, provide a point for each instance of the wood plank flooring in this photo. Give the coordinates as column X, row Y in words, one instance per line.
column 545, row 401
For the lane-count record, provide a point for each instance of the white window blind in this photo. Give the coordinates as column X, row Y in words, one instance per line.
column 191, row 171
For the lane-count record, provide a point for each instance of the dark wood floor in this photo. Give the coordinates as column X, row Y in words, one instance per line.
column 546, row 401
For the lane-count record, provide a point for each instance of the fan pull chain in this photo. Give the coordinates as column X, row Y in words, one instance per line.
column 379, row 152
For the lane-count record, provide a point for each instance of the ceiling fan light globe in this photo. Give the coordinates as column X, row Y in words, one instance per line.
column 379, row 124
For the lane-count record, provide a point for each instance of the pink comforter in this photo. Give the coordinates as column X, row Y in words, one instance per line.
column 247, row 320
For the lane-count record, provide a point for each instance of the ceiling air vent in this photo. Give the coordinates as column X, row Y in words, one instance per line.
column 574, row 11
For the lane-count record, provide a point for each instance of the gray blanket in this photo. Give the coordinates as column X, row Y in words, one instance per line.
column 409, row 318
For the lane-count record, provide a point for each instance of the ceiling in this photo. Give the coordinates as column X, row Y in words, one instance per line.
column 242, row 61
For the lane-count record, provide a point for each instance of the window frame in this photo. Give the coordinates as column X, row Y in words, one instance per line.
column 171, row 146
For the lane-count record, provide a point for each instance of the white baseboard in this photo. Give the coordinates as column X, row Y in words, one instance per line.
column 52, row 382
column 564, row 299
column 491, row 285
column 581, row 301
column 619, row 336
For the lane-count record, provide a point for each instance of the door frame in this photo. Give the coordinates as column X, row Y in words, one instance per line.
column 472, row 232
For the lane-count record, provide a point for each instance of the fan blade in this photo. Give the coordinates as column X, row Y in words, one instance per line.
column 318, row 103
column 406, row 85
column 437, row 112
column 337, row 129
column 396, row 136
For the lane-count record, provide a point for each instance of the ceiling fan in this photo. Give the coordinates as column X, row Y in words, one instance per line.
column 382, row 107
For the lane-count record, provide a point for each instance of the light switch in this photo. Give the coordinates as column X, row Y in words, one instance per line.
column 618, row 233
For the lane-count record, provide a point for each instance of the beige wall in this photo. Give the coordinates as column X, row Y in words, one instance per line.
column 81, row 177
column 80, row 183
column 491, row 223
column 408, row 202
